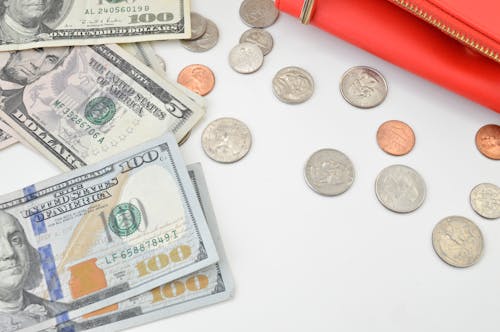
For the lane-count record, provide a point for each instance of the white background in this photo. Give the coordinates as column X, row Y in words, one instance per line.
column 306, row 262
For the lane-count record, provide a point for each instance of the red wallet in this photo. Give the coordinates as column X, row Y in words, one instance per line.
column 454, row 43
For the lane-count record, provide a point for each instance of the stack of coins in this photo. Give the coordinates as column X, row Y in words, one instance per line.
column 204, row 35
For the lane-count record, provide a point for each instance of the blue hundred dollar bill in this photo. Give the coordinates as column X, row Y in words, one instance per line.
column 96, row 236
column 204, row 287
column 51, row 23
column 80, row 105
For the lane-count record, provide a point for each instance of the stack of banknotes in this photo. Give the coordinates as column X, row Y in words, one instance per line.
column 127, row 234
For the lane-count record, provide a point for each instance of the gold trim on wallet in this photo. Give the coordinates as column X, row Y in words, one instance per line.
column 307, row 11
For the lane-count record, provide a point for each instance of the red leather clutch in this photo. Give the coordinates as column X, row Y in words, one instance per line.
column 454, row 43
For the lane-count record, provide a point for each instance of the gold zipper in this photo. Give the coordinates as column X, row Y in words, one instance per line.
column 449, row 31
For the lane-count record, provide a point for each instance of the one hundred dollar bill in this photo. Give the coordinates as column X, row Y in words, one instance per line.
column 51, row 23
column 207, row 286
column 80, row 105
column 98, row 235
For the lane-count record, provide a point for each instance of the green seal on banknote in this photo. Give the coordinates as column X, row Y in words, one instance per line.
column 124, row 219
column 100, row 110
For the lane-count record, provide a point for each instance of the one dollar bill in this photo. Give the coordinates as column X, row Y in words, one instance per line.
column 96, row 236
column 80, row 105
column 52, row 23
column 207, row 286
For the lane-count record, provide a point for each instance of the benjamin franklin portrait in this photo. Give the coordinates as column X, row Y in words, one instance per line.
column 19, row 273
column 26, row 20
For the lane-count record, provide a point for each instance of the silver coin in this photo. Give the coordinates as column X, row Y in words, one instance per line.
column 226, row 140
column 259, row 37
column 400, row 188
column 485, row 200
column 329, row 172
column 205, row 42
column 258, row 13
column 198, row 26
column 457, row 241
column 363, row 87
column 246, row 58
column 293, row 85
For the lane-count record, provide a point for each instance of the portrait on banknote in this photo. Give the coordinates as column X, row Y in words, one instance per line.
column 29, row 20
column 23, row 68
column 19, row 272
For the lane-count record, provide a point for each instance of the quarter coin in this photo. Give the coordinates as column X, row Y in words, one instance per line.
column 226, row 140
column 293, row 85
column 258, row 13
column 197, row 78
column 198, row 26
column 329, row 172
column 395, row 137
column 485, row 200
column 400, row 188
column 363, row 87
column 259, row 37
column 488, row 141
column 205, row 42
column 246, row 58
column 457, row 241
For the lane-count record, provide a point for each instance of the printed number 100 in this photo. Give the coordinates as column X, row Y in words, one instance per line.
column 150, row 18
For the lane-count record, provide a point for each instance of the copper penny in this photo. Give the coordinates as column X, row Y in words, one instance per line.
column 395, row 137
column 488, row 141
column 197, row 78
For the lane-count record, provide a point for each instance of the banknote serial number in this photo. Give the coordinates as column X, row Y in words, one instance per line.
column 118, row 9
column 78, row 121
column 142, row 247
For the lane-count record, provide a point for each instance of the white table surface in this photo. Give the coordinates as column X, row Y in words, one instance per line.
column 306, row 262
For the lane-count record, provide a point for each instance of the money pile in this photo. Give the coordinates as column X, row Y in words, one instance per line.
column 128, row 235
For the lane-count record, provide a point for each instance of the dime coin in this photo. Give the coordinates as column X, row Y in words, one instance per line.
column 246, row 58
column 259, row 37
column 226, row 140
column 400, row 188
column 258, row 13
column 488, row 141
column 485, row 200
column 457, row 241
column 205, row 42
column 185, row 138
column 293, row 85
column 329, row 172
column 395, row 137
column 363, row 87
column 197, row 78
column 198, row 26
